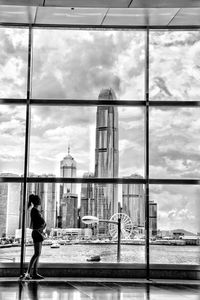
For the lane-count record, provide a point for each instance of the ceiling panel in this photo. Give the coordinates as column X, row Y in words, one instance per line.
column 140, row 16
column 68, row 16
column 187, row 16
column 88, row 3
column 165, row 3
column 17, row 14
column 22, row 2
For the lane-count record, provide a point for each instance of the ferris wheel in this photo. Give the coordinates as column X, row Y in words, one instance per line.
column 126, row 226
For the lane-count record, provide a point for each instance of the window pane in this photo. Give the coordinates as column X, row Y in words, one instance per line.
column 13, row 62
column 174, row 142
column 174, row 65
column 10, row 222
column 69, row 141
column 76, row 64
column 77, row 241
column 177, row 240
column 12, row 136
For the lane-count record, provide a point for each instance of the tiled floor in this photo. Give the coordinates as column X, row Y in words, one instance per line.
column 101, row 289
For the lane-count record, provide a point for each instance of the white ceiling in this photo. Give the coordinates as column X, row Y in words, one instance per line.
column 101, row 12
column 106, row 3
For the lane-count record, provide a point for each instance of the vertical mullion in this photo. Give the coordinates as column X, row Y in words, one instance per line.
column 147, row 155
column 26, row 153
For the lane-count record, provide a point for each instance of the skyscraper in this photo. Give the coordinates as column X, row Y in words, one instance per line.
column 9, row 207
column 106, row 159
column 152, row 218
column 68, row 196
column 67, row 169
column 87, row 198
column 133, row 201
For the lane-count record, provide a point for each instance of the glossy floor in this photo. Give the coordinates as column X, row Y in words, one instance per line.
column 101, row 289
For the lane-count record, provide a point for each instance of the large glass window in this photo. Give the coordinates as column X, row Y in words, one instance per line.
column 69, row 141
column 91, row 159
column 174, row 65
column 13, row 62
column 174, row 237
column 63, row 207
column 77, row 64
column 12, row 136
column 10, row 222
column 174, row 142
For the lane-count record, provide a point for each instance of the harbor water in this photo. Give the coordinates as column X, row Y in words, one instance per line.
column 78, row 253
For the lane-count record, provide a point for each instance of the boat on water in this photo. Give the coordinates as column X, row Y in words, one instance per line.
column 55, row 245
column 94, row 258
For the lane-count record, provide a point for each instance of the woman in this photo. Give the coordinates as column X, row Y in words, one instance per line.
column 38, row 225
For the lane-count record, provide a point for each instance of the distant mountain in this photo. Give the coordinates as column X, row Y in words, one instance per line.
column 183, row 231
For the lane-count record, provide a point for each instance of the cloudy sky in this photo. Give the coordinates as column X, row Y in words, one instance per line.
column 78, row 64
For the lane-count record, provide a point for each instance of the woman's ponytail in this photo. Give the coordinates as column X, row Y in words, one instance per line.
column 30, row 200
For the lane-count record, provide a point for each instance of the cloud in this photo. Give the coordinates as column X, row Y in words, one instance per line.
column 177, row 206
column 84, row 62
column 174, row 142
column 174, row 64
column 13, row 62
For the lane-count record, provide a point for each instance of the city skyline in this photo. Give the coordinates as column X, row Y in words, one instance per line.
column 174, row 133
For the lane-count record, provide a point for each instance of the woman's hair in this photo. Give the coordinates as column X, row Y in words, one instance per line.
column 33, row 199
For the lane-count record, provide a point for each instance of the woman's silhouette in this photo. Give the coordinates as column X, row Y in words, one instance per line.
column 38, row 225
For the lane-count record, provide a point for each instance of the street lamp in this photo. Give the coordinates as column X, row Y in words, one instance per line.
column 91, row 219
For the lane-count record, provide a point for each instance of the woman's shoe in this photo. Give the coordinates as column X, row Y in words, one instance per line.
column 37, row 276
column 27, row 276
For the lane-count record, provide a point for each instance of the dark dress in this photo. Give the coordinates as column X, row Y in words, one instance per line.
column 37, row 224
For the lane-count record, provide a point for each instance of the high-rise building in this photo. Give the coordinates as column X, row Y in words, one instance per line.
column 69, row 210
column 152, row 218
column 67, row 169
column 133, row 204
column 87, row 199
column 106, row 159
column 68, row 196
column 133, row 201
column 9, row 207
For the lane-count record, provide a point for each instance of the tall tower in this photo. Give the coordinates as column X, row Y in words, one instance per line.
column 68, row 196
column 68, row 169
column 106, row 159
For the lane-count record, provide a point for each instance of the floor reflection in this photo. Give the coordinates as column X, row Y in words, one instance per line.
column 38, row 290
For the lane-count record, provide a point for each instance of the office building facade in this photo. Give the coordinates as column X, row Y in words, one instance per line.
column 9, row 207
column 133, row 201
column 87, row 199
column 68, row 204
column 152, row 218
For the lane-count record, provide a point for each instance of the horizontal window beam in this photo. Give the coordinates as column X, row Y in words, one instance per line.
column 100, row 180
column 103, row 27
column 76, row 102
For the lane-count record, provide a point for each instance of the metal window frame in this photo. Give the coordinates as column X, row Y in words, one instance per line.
column 146, row 103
